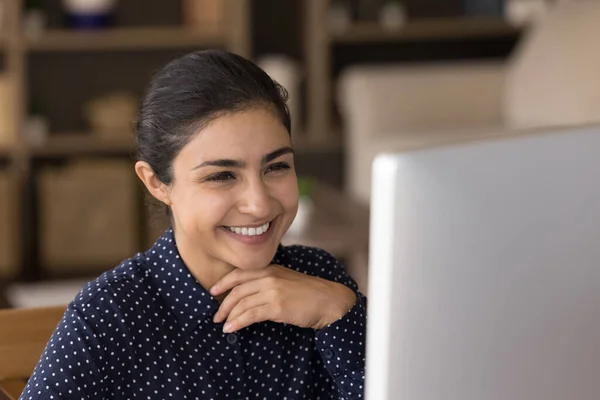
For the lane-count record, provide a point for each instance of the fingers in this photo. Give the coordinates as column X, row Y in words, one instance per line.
column 246, row 304
column 237, row 294
column 266, row 312
column 237, row 277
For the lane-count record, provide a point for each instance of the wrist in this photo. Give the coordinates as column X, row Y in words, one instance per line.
column 344, row 299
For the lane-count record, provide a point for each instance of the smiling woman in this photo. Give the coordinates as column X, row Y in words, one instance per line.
column 217, row 308
column 233, row 173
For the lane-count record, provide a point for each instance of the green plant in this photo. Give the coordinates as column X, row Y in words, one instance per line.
column 306, row 186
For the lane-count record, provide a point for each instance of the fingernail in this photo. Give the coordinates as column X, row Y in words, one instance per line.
column 227, row 328
column 213, row 290
column 216, row 318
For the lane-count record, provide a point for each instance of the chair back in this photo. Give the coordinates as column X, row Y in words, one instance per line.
column 24, row 334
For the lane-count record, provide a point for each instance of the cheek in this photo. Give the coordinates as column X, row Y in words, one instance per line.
column 199, row 210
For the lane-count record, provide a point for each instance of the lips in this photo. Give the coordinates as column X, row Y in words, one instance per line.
column 257, row 234
column 250, row 231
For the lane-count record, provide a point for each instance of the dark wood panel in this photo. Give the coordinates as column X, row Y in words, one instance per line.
column 77, row 78
column 327, row 166
column 277, row 27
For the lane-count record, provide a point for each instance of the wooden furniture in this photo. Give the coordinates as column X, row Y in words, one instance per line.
column 21, row 55
column 23, row 337
column 339, row 226
column 319, row 41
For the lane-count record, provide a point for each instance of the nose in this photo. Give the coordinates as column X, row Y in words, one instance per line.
column 255, row 200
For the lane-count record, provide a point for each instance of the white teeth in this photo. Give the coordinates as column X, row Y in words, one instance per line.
column 250, row 231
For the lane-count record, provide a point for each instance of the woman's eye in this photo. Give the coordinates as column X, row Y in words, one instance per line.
column 278, row 167
column 221, row 177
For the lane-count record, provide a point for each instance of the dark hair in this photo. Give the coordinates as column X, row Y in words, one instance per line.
column 193, row 90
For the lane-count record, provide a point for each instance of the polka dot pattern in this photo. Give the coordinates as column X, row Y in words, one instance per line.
column 144, row 330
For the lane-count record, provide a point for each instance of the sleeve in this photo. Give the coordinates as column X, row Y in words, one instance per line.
column 342, row 343
column 71, row 366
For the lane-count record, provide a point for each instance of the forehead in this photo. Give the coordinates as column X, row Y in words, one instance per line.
column 244, row 134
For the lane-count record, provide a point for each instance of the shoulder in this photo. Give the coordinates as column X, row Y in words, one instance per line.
column 125, row 283
column 313, row 261
column 306, row 256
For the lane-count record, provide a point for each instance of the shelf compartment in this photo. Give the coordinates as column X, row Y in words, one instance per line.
column 88, row 214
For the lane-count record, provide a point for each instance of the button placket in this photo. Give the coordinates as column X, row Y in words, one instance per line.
column 232, row 338
column 235, row 340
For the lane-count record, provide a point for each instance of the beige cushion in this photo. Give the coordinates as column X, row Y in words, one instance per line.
column 422, row 97
column 554, row 77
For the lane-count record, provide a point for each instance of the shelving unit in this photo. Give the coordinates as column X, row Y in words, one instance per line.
column 319, row 40
column 18, row 157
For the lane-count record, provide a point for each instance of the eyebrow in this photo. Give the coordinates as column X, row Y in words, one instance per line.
column 229, row 163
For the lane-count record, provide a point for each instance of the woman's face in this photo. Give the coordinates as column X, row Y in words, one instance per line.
column 235, row 191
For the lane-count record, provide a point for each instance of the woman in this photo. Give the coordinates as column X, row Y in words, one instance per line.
column 217, row 308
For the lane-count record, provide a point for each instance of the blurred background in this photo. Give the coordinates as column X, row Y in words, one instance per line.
column 363, row 76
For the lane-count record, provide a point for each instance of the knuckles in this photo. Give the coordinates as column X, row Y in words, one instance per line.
column 243, row 303
column 271, row 281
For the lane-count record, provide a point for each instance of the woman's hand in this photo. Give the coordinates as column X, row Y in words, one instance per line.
column 280, row 294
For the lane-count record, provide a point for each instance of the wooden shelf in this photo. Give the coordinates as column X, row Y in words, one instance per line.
column 425, row 29
column 74, row 145
column 119, row 39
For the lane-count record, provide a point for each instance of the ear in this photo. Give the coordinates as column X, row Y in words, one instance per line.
column 156, row 188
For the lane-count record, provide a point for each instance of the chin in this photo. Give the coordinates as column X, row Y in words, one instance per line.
column 255, row 259
column 254, row 263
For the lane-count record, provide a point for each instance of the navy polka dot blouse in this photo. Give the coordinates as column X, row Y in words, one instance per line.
column 145, row 331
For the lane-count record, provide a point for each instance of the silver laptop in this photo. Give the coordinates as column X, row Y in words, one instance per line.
column 484, row 271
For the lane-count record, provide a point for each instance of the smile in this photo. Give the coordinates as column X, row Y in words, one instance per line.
column 249, row 231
